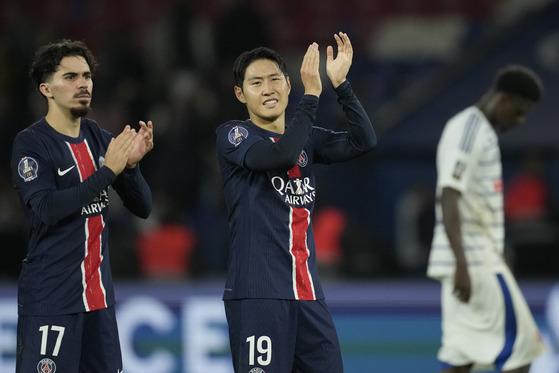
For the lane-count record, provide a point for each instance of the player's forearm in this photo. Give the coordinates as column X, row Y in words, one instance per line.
column 53, row 206
column 452, row 222
column 134, row 192
column 284, row 153
column 362, row 135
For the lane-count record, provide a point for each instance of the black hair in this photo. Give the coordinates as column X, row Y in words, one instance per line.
column 520, row 81
column 246, row 58
column 48, row 57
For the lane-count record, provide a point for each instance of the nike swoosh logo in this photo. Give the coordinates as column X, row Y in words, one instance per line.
column 62, row 173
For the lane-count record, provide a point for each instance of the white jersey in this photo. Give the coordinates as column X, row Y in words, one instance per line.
column 469, row 161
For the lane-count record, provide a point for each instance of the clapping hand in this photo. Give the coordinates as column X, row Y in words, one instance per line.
column 309, row 71
column 143, row 143
column 337, row 68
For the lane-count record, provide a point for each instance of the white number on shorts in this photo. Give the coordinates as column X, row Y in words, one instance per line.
column 45, row 330
column 263, row 347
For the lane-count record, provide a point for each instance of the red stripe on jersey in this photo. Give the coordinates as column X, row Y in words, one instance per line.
column 303, row 286
column 298, row 226
column 94, row 292
column 294, row 172
column 83, row 158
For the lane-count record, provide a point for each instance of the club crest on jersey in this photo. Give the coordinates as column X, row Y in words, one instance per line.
column 27, row 168
column 256, row 370
column 237, row 134
column 303, row 159
column 46, row 366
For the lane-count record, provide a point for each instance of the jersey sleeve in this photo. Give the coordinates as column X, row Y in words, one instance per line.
column 134, row 191
column 32, row 171
column 360, row 137
column 243, row 146
column 458, row 152
column 33, row 175
column 234, row 139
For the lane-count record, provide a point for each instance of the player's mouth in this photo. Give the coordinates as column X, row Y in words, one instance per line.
column 83, row 95
column 271, row 103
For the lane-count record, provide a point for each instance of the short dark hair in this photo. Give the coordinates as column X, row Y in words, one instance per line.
column 48, row 57
column 520, row 81
column 246, row 58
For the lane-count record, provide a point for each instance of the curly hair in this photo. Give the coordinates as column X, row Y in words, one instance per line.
column 47, row 59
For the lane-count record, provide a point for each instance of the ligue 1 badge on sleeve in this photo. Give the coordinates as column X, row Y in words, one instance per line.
column 28, row 168
column 237, row 134
column 46, row 366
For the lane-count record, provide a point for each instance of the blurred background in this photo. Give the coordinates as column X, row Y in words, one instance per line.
column 416, row 63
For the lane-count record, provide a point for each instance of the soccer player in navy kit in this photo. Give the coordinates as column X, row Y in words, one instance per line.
column 278, row 320
column 62, row 167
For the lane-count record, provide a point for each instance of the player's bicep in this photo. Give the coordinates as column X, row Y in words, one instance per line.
column 232, row 143
column 31, row 173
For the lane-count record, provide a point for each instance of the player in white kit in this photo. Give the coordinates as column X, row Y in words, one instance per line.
column 486, row 322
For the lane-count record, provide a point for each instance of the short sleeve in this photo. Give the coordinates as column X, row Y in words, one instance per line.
column 458, row 152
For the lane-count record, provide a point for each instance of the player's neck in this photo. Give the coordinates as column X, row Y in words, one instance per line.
column 276, row 126
column 64, row 123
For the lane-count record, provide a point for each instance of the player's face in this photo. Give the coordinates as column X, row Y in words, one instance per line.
column 265, row 92
column 512, row 112
column 70, row 87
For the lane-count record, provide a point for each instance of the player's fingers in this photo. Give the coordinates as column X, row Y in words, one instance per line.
column 329, row 53
column 124, row 135
column 347, row 44
column 126, row 139
column 146, row 129
column 339, row 42
column 316, row 58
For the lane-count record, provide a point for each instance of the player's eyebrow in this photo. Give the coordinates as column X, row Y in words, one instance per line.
column 74, row 73
column 257, row 77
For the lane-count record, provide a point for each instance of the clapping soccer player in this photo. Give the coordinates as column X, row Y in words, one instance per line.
column 62, row 167
column 278, row 319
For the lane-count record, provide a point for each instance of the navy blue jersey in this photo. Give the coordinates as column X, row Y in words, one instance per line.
column 63, row 187
column 272, row 249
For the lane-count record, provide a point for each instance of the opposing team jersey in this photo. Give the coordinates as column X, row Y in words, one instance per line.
column 469, row 161
column 272, row 248
column 63, row 188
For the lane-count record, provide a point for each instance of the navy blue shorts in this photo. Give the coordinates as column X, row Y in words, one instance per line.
column 84, row 342
column 282, row 336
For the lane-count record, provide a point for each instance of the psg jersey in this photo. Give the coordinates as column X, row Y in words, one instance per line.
column 67, row 265
column 272, row 244
column 272, row 249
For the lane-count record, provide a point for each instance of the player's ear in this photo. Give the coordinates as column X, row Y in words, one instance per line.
column 45, row 90
column 240, row 95
column 288, row 84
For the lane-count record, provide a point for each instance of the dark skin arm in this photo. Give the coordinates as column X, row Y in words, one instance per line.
column 451, row 221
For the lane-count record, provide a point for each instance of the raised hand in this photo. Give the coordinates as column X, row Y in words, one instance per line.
column 119, row 150
column 337, row 68
column 309, row 71
column 143, row 143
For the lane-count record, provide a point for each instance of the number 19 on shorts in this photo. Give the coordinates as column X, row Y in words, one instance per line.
column 259, row 350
